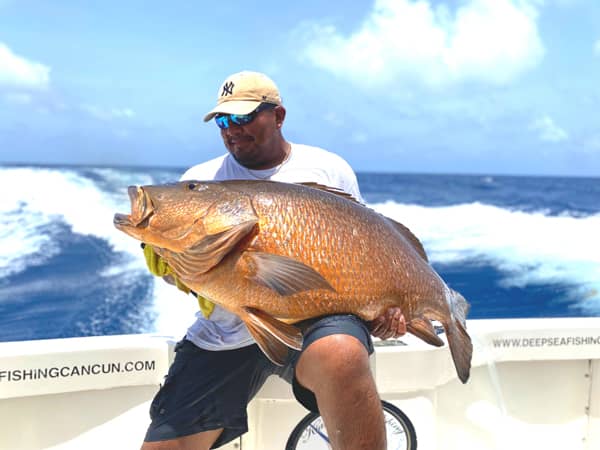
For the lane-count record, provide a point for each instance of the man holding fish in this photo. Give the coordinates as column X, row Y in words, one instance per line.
column 218, row 367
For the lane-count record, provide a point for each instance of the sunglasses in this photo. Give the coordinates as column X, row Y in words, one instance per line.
column 224, row 121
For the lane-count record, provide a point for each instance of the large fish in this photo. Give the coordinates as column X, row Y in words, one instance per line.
column 277, row 253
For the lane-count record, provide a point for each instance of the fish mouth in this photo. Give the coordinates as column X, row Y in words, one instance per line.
column 142, row 209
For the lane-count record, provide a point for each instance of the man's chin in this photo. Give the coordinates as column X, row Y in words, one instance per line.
column 244, row 155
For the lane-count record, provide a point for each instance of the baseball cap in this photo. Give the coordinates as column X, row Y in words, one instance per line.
column 242, row 92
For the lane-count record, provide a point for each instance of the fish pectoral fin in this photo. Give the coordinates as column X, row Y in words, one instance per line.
column 209, row 251
column 284, row 275
column 272, row 336
column 423, row 329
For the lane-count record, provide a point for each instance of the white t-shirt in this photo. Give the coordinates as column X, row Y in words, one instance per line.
column 224, row 330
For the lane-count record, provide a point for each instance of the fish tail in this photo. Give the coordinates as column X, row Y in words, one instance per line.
column 459, row 341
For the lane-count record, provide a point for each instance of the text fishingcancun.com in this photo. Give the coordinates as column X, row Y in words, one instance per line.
column 14, row 375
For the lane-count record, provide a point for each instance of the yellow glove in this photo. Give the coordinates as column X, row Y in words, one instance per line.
column 160, row 268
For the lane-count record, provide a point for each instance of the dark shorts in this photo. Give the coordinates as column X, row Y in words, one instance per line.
column 206, row 390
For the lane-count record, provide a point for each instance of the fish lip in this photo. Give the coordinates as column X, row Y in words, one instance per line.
column 141, row 209
column 121, row 220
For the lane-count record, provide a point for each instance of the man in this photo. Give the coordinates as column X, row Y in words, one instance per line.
column 218, row 368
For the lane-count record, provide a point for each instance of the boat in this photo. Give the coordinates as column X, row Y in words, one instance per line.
column 535, row 383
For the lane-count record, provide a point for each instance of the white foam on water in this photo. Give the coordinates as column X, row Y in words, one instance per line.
column 176, row 309
column 22, row 241
column 528, row 247
column 35, row 198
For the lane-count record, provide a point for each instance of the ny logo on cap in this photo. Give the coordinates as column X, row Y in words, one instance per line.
column 227, row 89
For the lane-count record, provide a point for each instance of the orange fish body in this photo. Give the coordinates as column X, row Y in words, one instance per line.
column 277, row 253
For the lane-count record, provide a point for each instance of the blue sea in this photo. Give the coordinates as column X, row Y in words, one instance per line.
column 515, row 247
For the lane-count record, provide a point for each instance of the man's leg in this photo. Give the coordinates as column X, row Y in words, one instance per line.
column 336, row 369
column 199, row 441
column 204, row 397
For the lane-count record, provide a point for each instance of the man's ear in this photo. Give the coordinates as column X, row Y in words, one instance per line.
column 279, row 115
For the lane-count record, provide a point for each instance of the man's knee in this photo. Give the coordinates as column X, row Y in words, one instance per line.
column 198, row 441
column 337, row 358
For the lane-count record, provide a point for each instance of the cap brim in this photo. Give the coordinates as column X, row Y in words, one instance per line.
column 233, row 107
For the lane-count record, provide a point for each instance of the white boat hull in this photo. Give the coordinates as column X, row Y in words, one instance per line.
column 535, row 383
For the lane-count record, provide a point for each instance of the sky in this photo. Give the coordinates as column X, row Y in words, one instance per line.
column 428, row 86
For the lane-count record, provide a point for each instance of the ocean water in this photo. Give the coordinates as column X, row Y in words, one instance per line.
column 515, row 247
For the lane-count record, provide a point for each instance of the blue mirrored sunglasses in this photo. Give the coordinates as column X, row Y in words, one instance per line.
column 224, row 121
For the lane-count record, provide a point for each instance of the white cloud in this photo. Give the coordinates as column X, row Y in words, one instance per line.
column 17, row 71
column 547, row 130
column 19, row 98
column 486, row 40
column 567, row 3
column 333, row 119
column 359, row 137
column 108, row 114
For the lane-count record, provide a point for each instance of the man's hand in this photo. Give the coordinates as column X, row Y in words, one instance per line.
column 389, row 324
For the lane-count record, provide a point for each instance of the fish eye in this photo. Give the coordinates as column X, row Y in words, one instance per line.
column 191, row 186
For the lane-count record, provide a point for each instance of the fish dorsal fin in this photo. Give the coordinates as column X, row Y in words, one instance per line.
column 208, row 252
column 284, row 275
column 410, row 237
column 331, row 190
column 272, row 336
column 422, row 328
